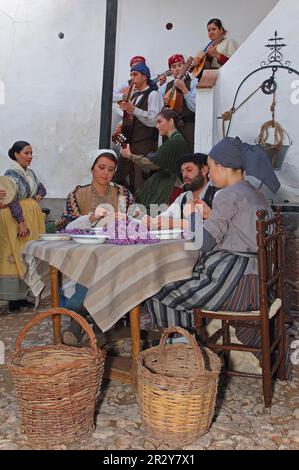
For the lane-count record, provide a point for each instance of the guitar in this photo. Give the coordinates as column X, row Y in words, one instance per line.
column 119, row 139
column 200, row 60
column 175, row 96
column 127, row 119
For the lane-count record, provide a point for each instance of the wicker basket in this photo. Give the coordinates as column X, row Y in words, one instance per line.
column 177, row 386
column 56, row 385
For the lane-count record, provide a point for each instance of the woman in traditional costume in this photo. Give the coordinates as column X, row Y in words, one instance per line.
column 218, row 51
column 86, row 206
column 225, row 276
column 163, row 163
column 84, row 200
column 20, row 222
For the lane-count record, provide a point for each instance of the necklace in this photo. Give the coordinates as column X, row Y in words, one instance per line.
column 97, row 199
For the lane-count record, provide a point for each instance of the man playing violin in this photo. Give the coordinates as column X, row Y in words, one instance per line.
column 187, row 86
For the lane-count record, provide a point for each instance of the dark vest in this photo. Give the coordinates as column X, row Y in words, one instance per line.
column 208, row 198
column 186, row 115
column 144, row 139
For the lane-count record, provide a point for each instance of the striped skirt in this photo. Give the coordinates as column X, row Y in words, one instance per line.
column 218, row 282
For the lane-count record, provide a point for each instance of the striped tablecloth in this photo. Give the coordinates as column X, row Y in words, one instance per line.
column 118, row 278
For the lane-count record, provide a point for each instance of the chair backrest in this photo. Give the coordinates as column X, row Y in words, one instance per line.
column 270, row 258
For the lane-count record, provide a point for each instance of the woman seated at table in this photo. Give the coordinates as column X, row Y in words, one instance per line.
column 225, row 276
column 84, row 200
column 20, row 222
column 163, row 163
column 83, row 209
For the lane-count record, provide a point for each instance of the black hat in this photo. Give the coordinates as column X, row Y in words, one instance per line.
column 197, row 158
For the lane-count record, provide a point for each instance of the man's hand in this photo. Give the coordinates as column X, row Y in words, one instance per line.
column 23, row 230
column 166, row 100
column 192, row 206
column 118, row 128
column 180, row 84
column 126, row 152
column 162, row 79
column 127, row 106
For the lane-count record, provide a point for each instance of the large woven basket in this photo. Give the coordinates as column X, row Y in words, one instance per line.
column 56, row 385
column 177, row 387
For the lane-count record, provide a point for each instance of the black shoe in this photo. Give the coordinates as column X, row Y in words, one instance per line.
column 14, row 306
column 26, row 303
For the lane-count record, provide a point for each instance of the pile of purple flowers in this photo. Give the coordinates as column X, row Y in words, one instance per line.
column 128, row 232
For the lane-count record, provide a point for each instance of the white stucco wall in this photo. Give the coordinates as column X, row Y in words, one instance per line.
column 53, row 86
column 247, row 121
column 142, row 31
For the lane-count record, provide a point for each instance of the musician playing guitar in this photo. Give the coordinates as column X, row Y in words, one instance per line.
column 217, row 51
column 142, row 136
column 120, row 91
column 186, row 87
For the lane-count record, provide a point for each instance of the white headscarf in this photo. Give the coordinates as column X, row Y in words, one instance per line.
column 94, row 154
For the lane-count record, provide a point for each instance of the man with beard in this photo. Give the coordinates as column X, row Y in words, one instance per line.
column 197, row 189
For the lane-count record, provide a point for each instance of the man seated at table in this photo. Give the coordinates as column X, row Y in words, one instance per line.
column 194, row 172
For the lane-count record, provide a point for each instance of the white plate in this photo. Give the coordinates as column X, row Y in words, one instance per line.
column 167, row 234
column 89, row 238
column 55, row 237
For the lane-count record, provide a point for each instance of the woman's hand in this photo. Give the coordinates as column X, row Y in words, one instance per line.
column 205, row 209
column 212, row 51
column 38, row 198
column 147, row 221
column 126, row 152
column 23, row 230
column 2, row 196
column 98, row 214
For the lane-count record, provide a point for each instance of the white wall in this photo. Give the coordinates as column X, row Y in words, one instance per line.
column 141, row 27
column 53, row 86
column 247, row 121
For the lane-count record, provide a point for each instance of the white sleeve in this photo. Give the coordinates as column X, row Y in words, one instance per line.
column 155, row 105
column 118, row 93
column 190, row 98
column 230, row 48
column 162, row 89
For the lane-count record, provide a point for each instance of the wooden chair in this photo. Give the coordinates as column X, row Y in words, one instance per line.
column 269, row 320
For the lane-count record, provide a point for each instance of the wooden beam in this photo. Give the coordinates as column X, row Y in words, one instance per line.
column 108, row 73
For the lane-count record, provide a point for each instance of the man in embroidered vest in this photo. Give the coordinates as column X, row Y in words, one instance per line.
column 139, row 125
column 188, row 87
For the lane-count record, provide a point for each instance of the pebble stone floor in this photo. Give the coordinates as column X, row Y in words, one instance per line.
column 240, row 420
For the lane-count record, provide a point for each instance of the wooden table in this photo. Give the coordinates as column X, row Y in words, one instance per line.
column 118, row 279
